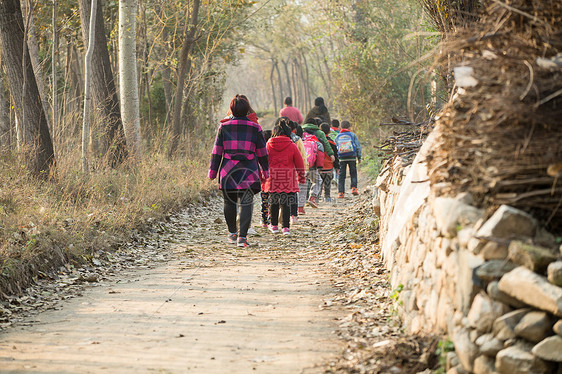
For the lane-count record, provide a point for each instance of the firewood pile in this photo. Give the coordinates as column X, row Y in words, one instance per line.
column 404, row 144
column 502, row 131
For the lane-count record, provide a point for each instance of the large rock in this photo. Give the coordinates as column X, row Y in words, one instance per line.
column 493, row 251
column 453, row 214
column 484, row 365
column 504, row 326
column 549, row 349
column 494, row 292
column 517, row 360
column 558, row 327
column 554, row 273
column 466, row 350
column 489, row 345
column 451, row 360
column 464, row 279
column 534, row 326
column 484, row 312
column 492, row 270
column 508, row 223
column 532, row 289
column 457, row 370
column 532, row 257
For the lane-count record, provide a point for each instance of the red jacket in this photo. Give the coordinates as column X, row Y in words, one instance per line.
column 286, row 167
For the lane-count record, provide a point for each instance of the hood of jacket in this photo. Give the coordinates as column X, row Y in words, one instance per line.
column 279, row 143
column 308, row 126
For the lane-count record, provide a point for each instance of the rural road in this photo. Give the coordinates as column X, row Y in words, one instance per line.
column 210, row 308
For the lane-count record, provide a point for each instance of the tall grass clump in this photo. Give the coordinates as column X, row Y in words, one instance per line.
column 44, row 224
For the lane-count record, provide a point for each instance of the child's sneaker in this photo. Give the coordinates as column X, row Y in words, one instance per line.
column 313, row 201
column 354, row 191
column 242, row 242
column 264, row 225
column 251, row 231
column 341, row 195
column 286, row 231
column 274, row 229
column 294, row 219
column 232, row 238
column 301, row 210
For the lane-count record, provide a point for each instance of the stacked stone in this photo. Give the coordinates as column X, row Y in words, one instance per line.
column 494, row 286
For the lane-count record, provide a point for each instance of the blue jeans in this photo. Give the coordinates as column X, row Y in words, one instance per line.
column 352, row 173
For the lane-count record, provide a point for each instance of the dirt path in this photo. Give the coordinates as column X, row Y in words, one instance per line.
column 209, row 308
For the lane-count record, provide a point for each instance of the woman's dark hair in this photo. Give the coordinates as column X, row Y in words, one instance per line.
column 299, row 131
column 281, row 127
column 293, row 125
column 266, row 135
column 288, row 100
column 250, row 110
column 239, row 106
column 335, row 123
column 325, row 127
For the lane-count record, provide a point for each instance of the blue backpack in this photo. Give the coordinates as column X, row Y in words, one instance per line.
column 345, row 144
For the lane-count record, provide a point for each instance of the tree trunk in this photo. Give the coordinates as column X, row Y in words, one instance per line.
column 29, row 21
column 290, row 91
column 87, row 119
column 104, row 92
column 166, row 79
column 128, row 83
column 306, row 80
column 273, row 87
column 280, row 83
column 54, row 62
column 5, row 138
column 184, row 66
column 23, row 87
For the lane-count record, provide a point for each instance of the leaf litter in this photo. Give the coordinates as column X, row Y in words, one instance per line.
column 341, row 239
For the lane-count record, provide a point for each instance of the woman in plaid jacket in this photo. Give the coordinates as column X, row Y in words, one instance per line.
column 240, row 161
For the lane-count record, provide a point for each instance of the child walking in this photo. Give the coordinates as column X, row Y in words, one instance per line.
column 296, row 137
column 286, row 171
column 327, row 172
column 265, row 195
column 349, row 152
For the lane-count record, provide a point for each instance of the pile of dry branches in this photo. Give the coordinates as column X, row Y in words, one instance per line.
column 406, row 143
column 502, row 138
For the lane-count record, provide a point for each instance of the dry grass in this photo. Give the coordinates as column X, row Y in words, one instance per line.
column 501, row 137
column 45, row 224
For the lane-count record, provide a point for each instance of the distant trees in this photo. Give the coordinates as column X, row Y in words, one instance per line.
column 176, row 53
column 361, row 56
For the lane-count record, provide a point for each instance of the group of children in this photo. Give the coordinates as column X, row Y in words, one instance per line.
column 303, row 162
column 291, row 165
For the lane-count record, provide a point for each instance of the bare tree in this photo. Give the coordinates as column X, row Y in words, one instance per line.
column 104, row 92
column 128, row 83
column 184, row 67
column 54, row 59
column 88, row 115
column 29, row 22
column 36, row 139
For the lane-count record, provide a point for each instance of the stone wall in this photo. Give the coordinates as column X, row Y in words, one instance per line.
column 489, row 280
